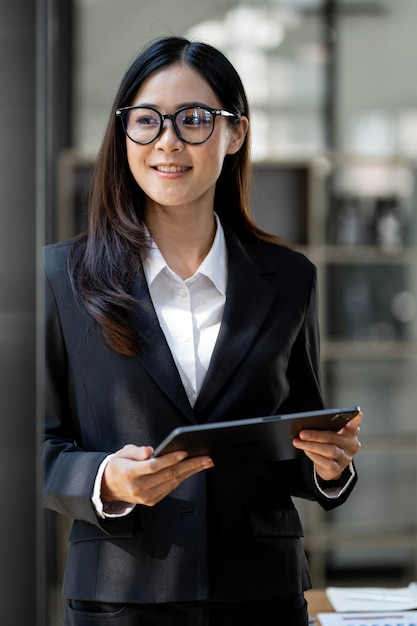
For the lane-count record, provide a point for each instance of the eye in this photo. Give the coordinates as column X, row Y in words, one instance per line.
column 139, row 118
column 196, row 117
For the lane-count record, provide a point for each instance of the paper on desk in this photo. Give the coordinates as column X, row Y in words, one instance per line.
column 373, row 598
column 386, row 618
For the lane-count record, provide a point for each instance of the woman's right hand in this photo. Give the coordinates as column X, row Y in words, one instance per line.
column 132, row 475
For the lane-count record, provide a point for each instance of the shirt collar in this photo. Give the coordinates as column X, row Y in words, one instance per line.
column 214, row 266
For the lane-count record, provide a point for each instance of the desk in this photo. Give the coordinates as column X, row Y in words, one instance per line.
column 318, row 602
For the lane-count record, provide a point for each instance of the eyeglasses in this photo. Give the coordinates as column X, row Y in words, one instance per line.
column 193, row 124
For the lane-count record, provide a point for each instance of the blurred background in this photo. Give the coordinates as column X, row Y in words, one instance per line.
column 333, row 92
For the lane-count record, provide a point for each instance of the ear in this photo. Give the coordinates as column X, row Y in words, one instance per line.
column 238, row 135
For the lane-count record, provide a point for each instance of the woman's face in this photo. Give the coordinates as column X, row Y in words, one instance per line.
column 170, row 172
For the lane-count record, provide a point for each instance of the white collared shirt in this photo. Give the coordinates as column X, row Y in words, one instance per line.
column 190, row 311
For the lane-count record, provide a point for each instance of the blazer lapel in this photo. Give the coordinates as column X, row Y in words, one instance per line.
column 156, row 355
column 249, row 298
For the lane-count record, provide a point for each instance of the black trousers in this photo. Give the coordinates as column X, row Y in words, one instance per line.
column 291, row 611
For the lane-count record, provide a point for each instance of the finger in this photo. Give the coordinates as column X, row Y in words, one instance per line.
column 337, row 450
column 327, row 465
column 127, row 465
column 349, row 442
column 330, row 452
column 151, row 488
column 346, row 439
column 329, row 468
column 135, row 453
column 334, row 451
column 324, row 436
column 353, row 424
column 178, row 470
column 131, row 452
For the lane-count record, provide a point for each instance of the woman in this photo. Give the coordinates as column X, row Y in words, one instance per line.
column 174, row 308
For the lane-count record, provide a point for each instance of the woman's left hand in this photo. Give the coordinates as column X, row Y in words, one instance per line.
column 331, row 452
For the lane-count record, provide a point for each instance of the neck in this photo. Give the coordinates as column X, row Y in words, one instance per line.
column 184, row 243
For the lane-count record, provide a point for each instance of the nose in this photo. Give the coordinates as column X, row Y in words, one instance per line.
column 168, row 139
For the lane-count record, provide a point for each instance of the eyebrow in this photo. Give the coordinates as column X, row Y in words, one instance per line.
column 204, row 105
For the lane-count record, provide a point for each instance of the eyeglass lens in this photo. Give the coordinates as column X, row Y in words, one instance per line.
column 193, row 125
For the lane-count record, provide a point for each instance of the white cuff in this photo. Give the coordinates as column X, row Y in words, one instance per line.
column 335, row 492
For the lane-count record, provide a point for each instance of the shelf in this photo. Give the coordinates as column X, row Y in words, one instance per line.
column 368, row 350
column 360, row 255
column 369, row 353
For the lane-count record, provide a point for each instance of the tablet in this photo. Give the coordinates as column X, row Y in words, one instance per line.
column 256, row 440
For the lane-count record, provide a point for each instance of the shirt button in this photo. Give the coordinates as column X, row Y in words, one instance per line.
column 182, row 292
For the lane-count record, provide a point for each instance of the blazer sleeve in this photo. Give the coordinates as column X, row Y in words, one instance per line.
column 304, row 375
column 69, row 472
column 303, row 370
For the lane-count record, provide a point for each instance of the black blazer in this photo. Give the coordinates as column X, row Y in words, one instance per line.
column 224, row 534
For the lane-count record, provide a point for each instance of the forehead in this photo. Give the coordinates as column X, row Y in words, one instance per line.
column 172, row 86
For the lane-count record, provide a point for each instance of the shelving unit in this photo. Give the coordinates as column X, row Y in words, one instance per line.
column 369, row 353
column 368, row 310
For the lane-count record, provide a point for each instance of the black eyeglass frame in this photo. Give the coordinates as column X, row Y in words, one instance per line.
column 171, row 116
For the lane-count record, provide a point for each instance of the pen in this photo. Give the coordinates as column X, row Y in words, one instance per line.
column 381, row 597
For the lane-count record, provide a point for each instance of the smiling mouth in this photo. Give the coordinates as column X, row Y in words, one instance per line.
column 171, row 169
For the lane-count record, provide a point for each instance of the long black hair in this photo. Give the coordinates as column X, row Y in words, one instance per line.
column 104, row 259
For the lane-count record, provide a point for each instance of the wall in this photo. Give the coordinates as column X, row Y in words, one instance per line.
column 18, row 514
